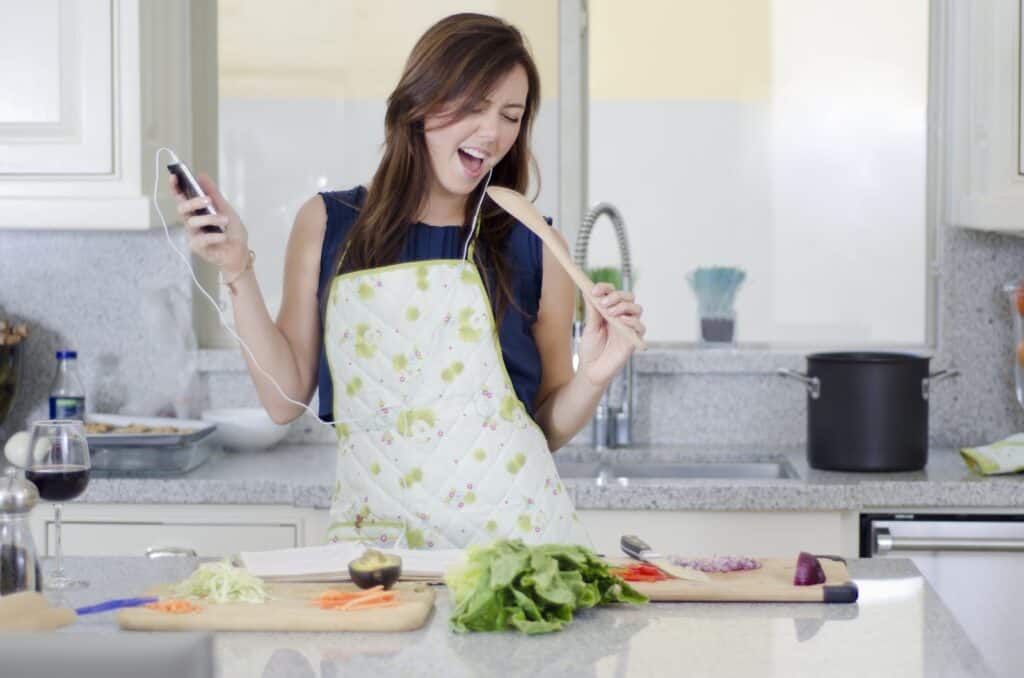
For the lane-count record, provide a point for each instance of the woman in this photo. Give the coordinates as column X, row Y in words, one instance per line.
column 445, row 424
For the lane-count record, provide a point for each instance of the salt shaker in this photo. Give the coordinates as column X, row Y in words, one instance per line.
column 19, row 566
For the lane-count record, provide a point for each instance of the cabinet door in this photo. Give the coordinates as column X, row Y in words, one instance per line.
column 980, row 60
column 81, row 538
column 90, row 90
column 130, row 529
column 709, row 533
column 57, row 111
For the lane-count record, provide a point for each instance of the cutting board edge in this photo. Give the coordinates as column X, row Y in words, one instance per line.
column 415, row 614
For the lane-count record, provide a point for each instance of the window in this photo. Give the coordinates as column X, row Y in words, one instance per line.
column 302, row 92
column 786, row 137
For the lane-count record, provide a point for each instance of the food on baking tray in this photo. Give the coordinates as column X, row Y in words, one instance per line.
column 95, row 427
column 717, row 564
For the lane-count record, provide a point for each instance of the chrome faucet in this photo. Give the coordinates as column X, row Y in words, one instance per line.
column 612, row 426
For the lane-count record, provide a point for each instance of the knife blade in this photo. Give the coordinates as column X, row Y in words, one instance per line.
column 635, row 547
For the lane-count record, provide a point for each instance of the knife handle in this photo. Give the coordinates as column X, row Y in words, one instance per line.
column 633, row 546
column 115, row 604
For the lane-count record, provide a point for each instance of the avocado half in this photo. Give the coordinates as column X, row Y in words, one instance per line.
column 374, row 568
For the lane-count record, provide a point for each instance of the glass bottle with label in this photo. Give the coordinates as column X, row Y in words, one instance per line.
column 67, row 397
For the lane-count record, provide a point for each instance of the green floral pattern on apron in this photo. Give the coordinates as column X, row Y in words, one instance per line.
column 434, row 446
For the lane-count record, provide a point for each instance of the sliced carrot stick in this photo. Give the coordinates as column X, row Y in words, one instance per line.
column 334, row 594
column 383, row 597
column 371, row 604
column 174, row 606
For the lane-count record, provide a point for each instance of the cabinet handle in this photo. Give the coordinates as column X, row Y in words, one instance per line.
column 170, row 552
column 885, row 542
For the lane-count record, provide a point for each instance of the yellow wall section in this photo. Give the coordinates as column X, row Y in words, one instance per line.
column 680, row 49
column 352, row 49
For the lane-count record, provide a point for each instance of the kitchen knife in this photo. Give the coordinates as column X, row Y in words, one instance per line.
column 635, row 547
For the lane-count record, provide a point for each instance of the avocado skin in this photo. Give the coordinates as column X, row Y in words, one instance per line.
column 374, row 568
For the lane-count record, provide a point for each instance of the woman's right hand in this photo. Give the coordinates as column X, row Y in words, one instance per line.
column 228, row 251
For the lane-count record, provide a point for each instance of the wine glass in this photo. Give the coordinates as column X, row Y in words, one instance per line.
column 59, row 467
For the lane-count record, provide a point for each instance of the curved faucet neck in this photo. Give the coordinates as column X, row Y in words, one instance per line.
column 619, row 226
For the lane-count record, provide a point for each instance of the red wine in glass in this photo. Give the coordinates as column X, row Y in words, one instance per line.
column 59, row 482
column 59, row 467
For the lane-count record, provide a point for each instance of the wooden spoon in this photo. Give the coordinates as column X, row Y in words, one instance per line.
column 517, row 205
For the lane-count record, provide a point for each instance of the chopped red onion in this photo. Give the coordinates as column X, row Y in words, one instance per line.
column 808, row 570
column 718, row 563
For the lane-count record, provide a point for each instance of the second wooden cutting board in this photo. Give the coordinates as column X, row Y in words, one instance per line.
column 288, row 609
column 772, row 582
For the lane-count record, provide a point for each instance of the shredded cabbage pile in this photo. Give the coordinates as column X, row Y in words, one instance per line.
column 223, row 583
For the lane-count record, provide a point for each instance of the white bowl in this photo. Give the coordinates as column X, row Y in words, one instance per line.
column 245, row 428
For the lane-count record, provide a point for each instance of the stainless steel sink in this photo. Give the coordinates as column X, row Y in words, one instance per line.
column 623, row 473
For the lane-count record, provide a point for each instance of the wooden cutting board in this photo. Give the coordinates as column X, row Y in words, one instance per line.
column 771, row 583
column 289, row 608
column 29, row 611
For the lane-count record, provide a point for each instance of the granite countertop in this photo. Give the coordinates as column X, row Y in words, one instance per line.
column 898, row 628
column 303, row 476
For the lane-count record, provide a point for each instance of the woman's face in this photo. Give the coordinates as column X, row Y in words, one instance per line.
column 463, row 150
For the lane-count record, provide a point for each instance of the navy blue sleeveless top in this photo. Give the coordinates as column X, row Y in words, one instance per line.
column 523, row 252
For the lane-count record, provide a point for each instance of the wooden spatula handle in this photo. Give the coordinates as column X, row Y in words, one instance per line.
column 518, row 206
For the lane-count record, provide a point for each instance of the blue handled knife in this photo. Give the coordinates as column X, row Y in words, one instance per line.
column 115, row 604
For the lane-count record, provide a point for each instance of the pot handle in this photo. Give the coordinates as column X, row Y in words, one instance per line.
column 813, row 384
column 934, row 378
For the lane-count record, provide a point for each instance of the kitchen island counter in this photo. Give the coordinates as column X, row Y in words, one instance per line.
column 898, row 628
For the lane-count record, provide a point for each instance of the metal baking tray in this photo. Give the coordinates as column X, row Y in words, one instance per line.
column 197, row 431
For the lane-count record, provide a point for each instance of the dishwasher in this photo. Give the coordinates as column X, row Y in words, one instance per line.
column 974, row 562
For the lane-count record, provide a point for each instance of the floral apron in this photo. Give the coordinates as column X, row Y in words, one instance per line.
column 435, row 450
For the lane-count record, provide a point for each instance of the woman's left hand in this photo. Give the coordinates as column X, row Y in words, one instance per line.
column 602, row 350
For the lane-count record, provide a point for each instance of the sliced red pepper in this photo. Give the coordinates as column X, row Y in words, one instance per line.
column 640, row 572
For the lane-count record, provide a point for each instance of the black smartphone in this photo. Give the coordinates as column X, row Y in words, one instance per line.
column 188, row 185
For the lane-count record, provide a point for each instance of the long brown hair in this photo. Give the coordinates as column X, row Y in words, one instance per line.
column 460, row 59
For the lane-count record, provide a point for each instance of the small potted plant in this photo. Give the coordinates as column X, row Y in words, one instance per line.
column 716, row 289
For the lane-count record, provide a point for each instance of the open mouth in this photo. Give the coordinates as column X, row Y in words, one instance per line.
column 472, row 161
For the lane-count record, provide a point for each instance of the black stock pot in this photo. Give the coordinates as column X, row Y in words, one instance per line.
column 867, row 411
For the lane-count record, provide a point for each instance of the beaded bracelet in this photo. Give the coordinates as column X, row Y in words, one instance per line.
column 230, row 284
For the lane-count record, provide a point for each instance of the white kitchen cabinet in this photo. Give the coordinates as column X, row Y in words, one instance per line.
column 980, row 114
column 91, row 88
column 708, row 533
column 217, row 530
column 209, row 530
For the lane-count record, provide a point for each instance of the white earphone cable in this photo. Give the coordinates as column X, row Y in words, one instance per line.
column 220, row 312
column 476, row 214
